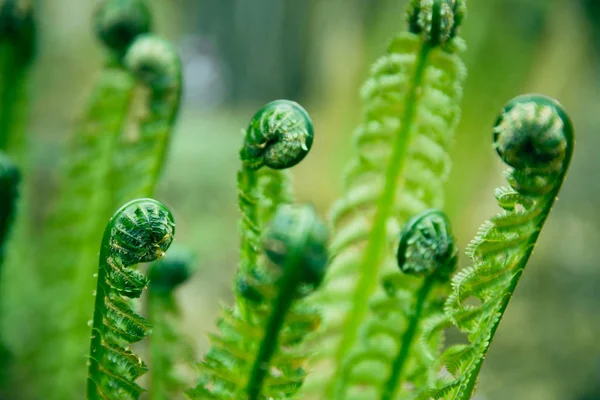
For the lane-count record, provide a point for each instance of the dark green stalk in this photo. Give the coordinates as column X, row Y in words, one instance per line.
column 140, row 231
column 393, row 383
column 17, row 42
column 296, row 242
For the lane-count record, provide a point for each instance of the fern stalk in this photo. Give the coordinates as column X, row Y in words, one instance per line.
column 140, row 231
column 411, row 110
column 534, row 136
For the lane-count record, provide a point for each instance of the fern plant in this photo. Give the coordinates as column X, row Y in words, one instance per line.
column 117, row 153
column 411, row 109
column 140, row 231
column 245, row 360
column 534, row 136
column 311, row 318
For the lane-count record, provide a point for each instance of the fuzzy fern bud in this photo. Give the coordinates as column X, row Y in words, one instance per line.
column 436, row 20
column 427, row 246
column 279, row 136
column 296, row 229
column 141, row 232
column 155, row 62
column 119, row 22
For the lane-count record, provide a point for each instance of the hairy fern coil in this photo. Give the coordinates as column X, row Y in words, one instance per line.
column 535, row 137
column 140, row 231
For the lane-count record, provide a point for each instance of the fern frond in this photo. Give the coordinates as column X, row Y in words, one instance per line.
column 78, row 218
column 140, row 231
column 387, row 360
column 142, row 147
column 534, row 136
column 258, row 357
column 279, row 136
column 167, row 346
column 411, row 109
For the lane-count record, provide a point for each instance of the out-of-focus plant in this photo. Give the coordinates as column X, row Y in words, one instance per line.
column 337, row 314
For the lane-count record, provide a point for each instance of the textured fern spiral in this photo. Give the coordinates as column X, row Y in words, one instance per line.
column 387, row 365
column 168, row 348
column 411, row 109
column 257, row 354
column 140, row 231
column 534, row 136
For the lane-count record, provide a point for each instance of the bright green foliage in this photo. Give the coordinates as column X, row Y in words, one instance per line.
column 140, row 231
column 534, row 136
column 389, row 364
column 279, row 136
column 17, row 42
column 257, row 355
column 411, row 109
column 168, row 349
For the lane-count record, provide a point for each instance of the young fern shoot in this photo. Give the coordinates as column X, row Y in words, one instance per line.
column 426, row 250
column 262, row 361
column 411, row 109
column 279, row 136
column 83, row 206
column 140, row 231
column 535, row 137
column 167, row 346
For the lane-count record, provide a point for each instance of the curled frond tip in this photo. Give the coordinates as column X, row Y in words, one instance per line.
column 436, row 20
column 427, row 245
column 279, row 136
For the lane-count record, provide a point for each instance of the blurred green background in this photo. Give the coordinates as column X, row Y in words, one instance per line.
column 239, row 54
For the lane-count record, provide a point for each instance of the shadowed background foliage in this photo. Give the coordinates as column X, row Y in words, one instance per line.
column 239, row 54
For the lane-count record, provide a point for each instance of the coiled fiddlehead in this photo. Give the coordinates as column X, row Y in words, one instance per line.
column 279, row 136
column 259, row 358
column 387, row 361
column 535, row 137
column 168, row 348
column 140, row 231
column 118, row 22
column 142, row 148
column 411, row 109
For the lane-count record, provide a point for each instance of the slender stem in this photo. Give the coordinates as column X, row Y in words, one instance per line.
column 158, row 308
column 377, row 242
column 97, row 324
column 287, row 292
column 393, row 383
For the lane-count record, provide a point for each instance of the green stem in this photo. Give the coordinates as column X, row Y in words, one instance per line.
column 377, row 242
column 97, row 325
column 159, row 305
column 393, row 383
column 287, row 293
